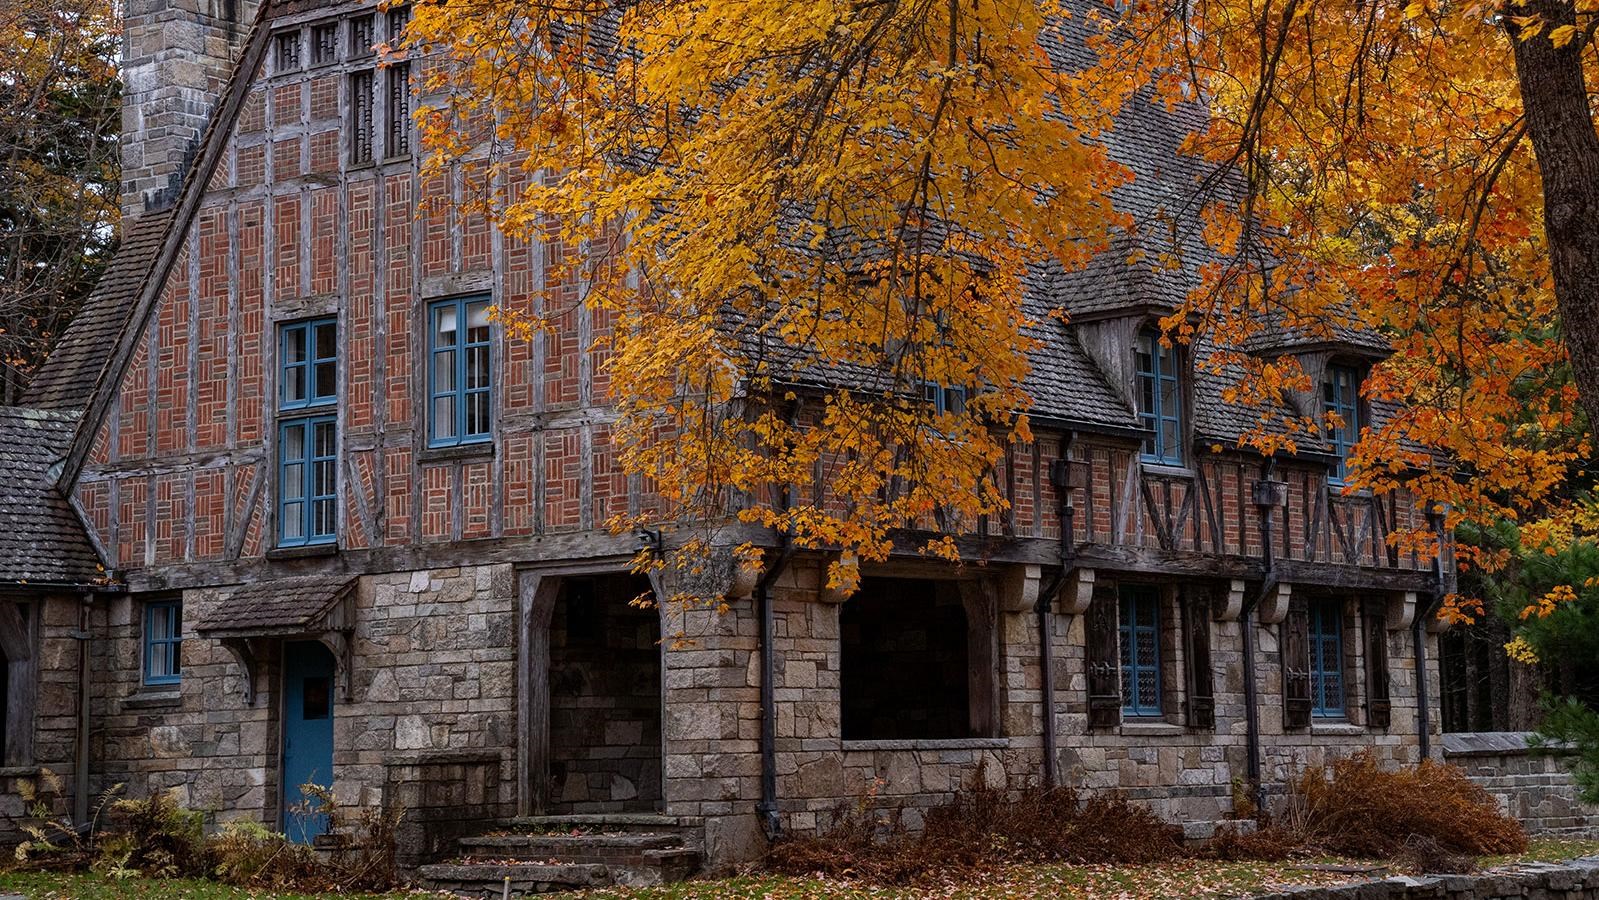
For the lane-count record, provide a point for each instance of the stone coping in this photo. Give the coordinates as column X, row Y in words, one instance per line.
column 445, row 758
column 1574, row 880
column 1492, row 743
column 929, row 744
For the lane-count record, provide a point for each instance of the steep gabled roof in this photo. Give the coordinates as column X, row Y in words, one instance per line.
column 68, row 377
column 43, row 541
column 97, row 353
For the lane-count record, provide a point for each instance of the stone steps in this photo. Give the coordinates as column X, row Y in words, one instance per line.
column 599, row 822
column 487, row 880
column 561, row 853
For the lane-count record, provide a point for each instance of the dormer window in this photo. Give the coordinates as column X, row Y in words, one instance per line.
column 1160, row 400
column 944, row 398
column 1340, row 398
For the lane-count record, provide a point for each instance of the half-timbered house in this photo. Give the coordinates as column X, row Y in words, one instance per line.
column 286, row 506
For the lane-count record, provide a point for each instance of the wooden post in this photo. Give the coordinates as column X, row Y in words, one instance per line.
column 536, row 604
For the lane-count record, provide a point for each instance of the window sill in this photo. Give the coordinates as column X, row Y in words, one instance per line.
column 1135, row 728
column 930, row 744
column 154, row 698
column 1165, row 470
column 1336, row 729
column 474, row 450
column 309, row 551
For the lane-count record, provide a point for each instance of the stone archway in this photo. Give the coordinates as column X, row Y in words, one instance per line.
column 590, row 696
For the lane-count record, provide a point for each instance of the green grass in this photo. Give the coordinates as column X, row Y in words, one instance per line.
column 1185, row 878
column 85, row 886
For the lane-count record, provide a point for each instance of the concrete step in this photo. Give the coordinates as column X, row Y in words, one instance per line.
column 598, row 822
column 590, row 848
column 488, row 881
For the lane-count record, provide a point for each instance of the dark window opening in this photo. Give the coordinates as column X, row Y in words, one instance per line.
column 906, row 668
column 288, row 52
column 605, row 698
column 318, row 699
column 399, row 120
column 363, row 36
column 325, row 43
column 361, row 117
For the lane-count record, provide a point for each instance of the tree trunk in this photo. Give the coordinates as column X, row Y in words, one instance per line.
column 1562, row 130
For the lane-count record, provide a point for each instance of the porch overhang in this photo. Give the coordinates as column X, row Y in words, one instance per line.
column 250, row 619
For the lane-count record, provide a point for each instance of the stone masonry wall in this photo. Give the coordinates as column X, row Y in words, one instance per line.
column 433, row 677
column 1536, row 788
column 1187, row 775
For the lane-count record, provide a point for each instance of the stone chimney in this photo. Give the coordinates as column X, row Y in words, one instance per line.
column 176, row 59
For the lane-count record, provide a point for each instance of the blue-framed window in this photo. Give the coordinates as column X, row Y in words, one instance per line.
column 1140, row 650
column 308, row 354
column 163, row 642
column 1327, row 659
column 308, row 481
column 1340, row 395
column 1160, row 400
column 944, row 398
column 459, row 372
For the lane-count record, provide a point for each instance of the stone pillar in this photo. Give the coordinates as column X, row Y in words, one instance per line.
column 176, row 59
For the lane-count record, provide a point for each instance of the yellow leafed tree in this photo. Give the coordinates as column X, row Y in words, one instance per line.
column 807, row 219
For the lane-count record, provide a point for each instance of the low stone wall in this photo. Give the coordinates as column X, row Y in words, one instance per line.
column 444, row 796
column 1536, row 788
column 1576, row 880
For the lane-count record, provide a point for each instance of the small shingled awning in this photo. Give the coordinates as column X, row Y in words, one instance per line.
column 248, row 619
column 282, row 607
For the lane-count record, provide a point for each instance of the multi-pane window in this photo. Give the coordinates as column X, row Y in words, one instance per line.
column 308, row 438
column 944, row 399
column 1327, row 659
column 163, row 642
column 325, row 43
column 287, row 58
column 309, row 355
column 307, row 481
column 362, row 36
column 1140, row 650
column 361, row 117
column 399, row 108
column 1340, row 396
column 1160, row 401
column 458, row 371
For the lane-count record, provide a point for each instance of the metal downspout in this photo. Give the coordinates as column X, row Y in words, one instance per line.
column 1246, row 622
column 766, row 807
column 1418, row 638
column 1060, row 478
column 80, row 786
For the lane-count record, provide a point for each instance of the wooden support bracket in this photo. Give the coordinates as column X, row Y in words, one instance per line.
column 1401, row 610
column 244, row 654
column 1077, row 593
column 1231, row 608
column 1274, row 606
column 1018, row 588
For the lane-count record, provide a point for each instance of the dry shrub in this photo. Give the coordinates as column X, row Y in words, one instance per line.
column 1232, row 843
column 1422, row 855
column 359, row 855
column 154, row 837
column 1355, row 807
column 981, row 828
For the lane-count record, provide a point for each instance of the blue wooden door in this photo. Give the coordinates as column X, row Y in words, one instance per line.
column 307, row 735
